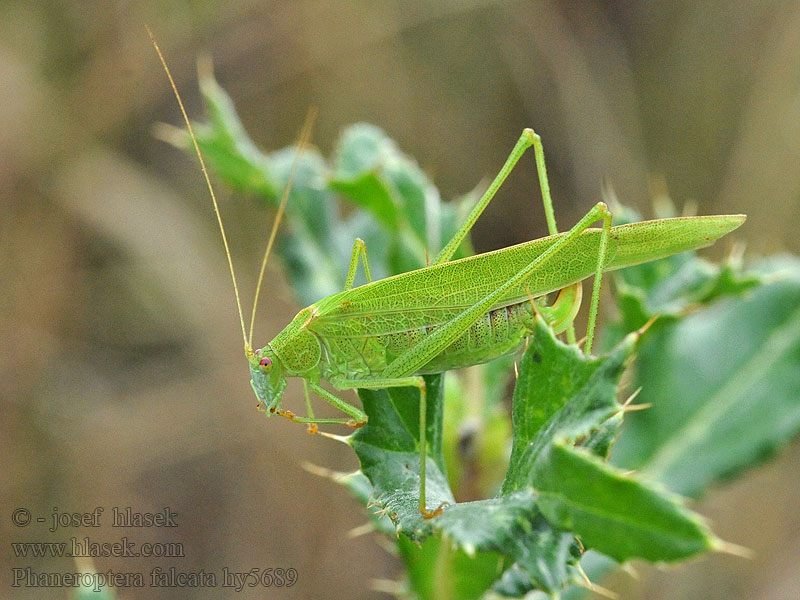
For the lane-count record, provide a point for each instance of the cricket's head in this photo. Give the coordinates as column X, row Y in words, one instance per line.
column 267, row 378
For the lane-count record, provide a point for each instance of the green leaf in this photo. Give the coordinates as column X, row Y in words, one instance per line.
column 226, row 146
column 564, row 398
column 613, row 514
column 474, row 525
column 723, row 384
column 369, row 192
column 436, row 569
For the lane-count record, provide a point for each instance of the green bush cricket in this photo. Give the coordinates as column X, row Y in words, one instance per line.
column 450, row 314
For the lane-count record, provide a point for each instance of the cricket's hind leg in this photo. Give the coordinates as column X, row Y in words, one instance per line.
column 528, row 138
column 562, row 312
column 541, row 169
column 572, row 299
column 602, row 252
column 560, row 316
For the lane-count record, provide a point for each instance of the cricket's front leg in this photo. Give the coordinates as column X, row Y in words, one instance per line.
column 358, row 417
column 412, row 381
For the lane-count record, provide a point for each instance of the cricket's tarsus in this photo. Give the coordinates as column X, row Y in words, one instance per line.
column 389, row 333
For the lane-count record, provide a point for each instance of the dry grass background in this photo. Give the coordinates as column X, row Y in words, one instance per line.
column 122, row 378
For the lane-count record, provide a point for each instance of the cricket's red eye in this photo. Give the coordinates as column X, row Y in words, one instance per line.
column 265, row 362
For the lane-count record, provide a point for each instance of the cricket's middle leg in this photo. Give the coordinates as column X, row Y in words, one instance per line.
column 359, row 249
column 411, row 381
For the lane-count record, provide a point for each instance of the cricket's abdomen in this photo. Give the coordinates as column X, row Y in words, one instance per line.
column 500, row 331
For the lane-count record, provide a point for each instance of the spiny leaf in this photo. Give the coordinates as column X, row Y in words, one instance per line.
column 475, row 525
column 613, row 514
column 576, row 490
column 487, row 530
column 387, row 447
column 361, row 489
column 545, row 558
column 559, row 392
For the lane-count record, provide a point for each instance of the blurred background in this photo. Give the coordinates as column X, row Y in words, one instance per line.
column 123, row 382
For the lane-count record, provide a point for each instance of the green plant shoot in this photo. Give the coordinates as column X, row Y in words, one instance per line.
column 450, row 314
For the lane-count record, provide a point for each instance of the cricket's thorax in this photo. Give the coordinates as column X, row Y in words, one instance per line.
column 298, row 349
column 498, row 332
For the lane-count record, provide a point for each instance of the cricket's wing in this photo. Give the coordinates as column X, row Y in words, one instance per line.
column 434, row 295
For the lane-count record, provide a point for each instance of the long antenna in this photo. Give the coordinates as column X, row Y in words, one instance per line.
column 247, row 345
column 305, row 136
